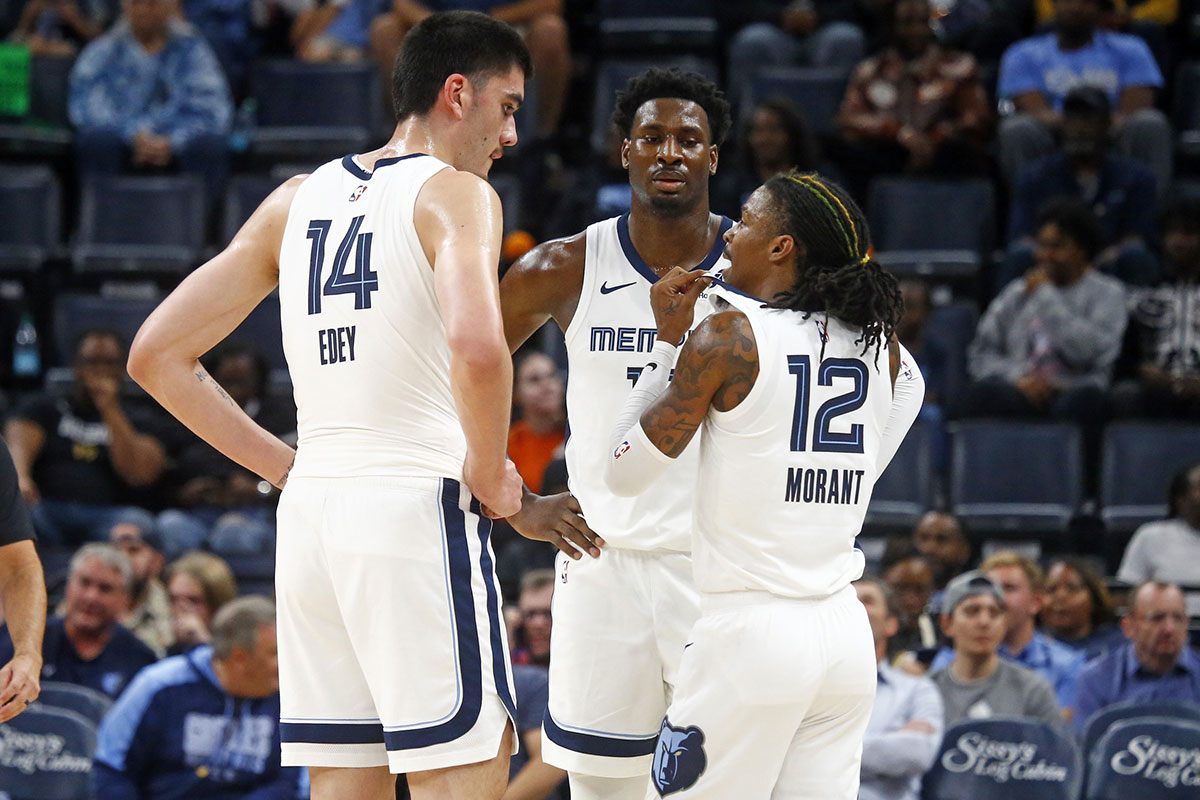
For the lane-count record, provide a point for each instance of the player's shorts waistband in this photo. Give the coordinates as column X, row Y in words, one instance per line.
column 419, row 483
column 725, row 601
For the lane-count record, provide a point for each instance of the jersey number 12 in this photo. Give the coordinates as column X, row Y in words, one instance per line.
column 826, row 440
column 359, row 281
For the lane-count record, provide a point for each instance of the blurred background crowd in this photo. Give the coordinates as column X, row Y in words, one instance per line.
column 1031, row 171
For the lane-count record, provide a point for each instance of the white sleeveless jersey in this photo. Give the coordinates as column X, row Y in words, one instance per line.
column 362, row 329
column 785, row 477
column 608, row 342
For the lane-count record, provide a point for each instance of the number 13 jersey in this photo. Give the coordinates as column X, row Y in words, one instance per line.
column 362, row 328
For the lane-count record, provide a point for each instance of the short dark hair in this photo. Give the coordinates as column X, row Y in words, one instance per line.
column 464, row 42
column 99, row 332
column 1179, row 487
column 1075, row 220
column 656, row 83
column 1182, row 213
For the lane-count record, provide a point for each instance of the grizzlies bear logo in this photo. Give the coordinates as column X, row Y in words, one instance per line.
column 678, row 758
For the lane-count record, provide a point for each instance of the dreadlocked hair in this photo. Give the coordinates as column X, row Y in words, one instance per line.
column 835, row 274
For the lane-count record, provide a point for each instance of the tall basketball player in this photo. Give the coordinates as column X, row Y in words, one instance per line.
column 621, row 620
column 803, row 397
column 391, row 650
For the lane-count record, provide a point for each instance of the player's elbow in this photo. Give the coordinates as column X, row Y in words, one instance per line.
column 479, row 351
column 143, row 360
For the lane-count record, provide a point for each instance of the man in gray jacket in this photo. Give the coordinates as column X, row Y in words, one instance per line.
column 1046, row 345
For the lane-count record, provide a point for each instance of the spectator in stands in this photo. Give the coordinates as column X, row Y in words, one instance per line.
column 1155, row 666
column 1118, row 190
column 61, row 27
column 538, row 434
column 1169, row 549
column 22, row 596
column 218, row 503
column 86, row 645
column 775, row 138
column 80, row 457
column 540, row 23
column 202, row 725
column 1165, row 335
column 341, row 33
column 939, row 537
column 537, row 589
column 978, row 683
column 1047, row 344
column 1023, row 583
column 149, row 615
column 1077, row 610
column 907, row 718
column 529, row 777
column 910, row 580
column 287, row 28
column 1037, row 73
column 226, row 26
column 931, row 353
column 150, row 95
column 780, row 33
column 915, row 108
column 198, row 585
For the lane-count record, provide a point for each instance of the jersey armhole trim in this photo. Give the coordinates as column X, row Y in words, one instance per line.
column 591, row 238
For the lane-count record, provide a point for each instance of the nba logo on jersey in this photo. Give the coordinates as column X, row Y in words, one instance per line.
column 622, row 450
column 906, row 370
column 679, row 758
column 358, row 193
column 824, row 334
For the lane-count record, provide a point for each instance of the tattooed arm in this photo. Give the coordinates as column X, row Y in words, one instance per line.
column 716, row 368
column 206, row 307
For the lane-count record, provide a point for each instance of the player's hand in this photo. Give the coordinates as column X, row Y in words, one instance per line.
column 499, row 494
column 19, row 684
column 557, row 519
column 673, row 298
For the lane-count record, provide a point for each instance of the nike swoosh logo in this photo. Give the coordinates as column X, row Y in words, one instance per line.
column 651, row 366
column 606, row 289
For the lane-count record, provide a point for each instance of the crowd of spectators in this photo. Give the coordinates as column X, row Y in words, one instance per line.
column 1090, row 313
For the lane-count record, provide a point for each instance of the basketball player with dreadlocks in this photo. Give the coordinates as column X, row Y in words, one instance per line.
column 620, row 620
column 802, row 399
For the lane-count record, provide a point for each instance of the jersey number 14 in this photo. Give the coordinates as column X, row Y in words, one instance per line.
column 359, row 281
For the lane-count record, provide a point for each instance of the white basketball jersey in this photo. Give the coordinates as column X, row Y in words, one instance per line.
column 785, row 477
column 362, row 329
column 608, row 342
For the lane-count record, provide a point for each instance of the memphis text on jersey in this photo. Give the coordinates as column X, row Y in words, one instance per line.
column 832, row 486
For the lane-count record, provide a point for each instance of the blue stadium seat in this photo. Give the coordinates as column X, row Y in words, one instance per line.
column 1004, row 759
column 509, row 189
column 75, row 313
column 1145, row 758
column 1138, row 462
column 261, row 330
column 665, row 25
column 816, row 91
column 1015, row 478
column 905, row 490
column 88, row 703
column 25, row 773
column 1186, row 107
column 243, row 194
column 31, row 233
column 611, row 76
column 954, row 326
column 316, row 111
column 919, row 214
column 255, row 573
column 1099, row 723
column 140, row 224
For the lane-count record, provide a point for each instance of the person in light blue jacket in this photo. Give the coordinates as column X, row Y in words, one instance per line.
column 150, row 95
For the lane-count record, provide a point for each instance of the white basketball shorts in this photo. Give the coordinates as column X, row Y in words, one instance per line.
column 620, row 624
column 391, row 643
column 773, row 701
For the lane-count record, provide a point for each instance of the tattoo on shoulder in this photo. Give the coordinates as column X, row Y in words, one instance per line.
column 739, row 355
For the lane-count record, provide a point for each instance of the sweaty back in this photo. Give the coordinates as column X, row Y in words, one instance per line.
column 362, row 328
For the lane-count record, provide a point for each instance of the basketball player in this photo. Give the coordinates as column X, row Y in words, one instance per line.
column 795, row 396
column 620, row 621
column 391, row 650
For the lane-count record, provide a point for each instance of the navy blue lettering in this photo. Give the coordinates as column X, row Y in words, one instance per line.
column 625, row 339
column 603, row 339
column 792, row 495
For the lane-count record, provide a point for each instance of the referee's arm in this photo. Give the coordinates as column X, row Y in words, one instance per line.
column 23, row 596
